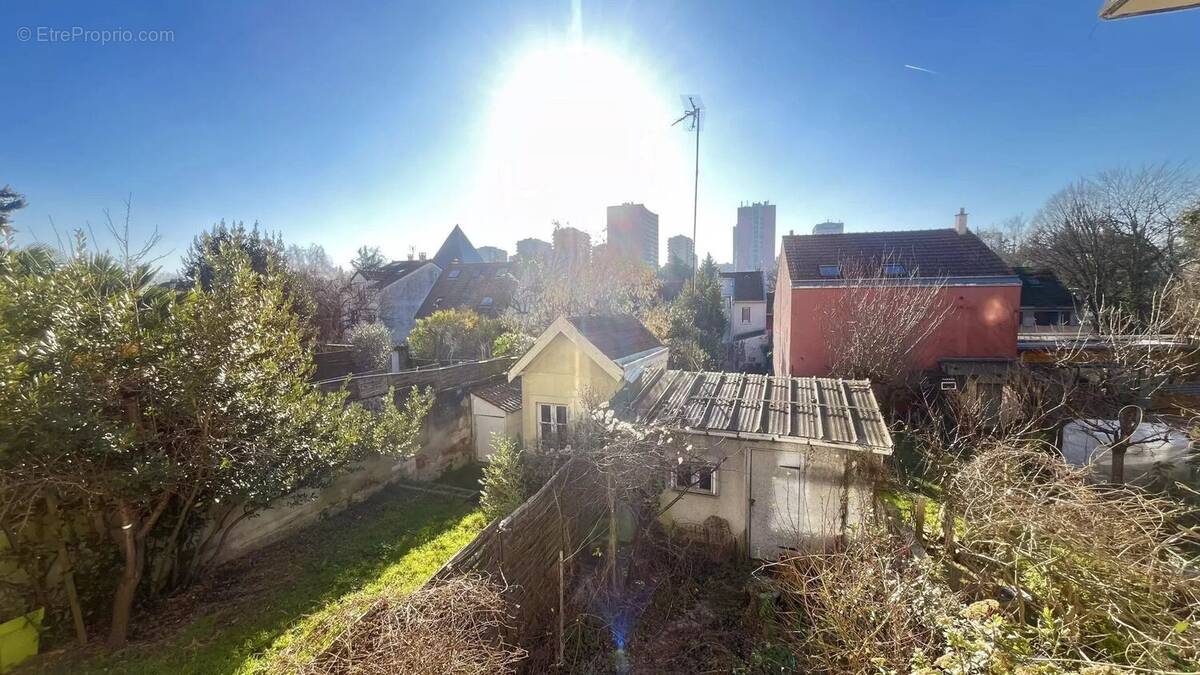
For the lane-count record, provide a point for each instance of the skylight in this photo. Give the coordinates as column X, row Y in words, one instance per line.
column 894, row 270
column 453, row 274
column 830, row 270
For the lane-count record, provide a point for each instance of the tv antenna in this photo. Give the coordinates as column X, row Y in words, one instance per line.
column 693, row 106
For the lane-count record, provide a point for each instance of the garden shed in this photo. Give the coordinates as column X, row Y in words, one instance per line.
column 495, row 409
column 788, row 462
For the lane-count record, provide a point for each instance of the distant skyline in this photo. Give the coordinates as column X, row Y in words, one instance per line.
column 360, row 124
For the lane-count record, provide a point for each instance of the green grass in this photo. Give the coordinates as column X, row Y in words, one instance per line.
column 397, row 538
column 466, row 476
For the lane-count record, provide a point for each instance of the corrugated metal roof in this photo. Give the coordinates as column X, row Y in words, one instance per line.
column 767, row 407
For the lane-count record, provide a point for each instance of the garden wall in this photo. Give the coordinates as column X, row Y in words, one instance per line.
column 446, row 444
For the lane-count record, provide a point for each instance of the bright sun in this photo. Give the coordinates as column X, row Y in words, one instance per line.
column 573, row 128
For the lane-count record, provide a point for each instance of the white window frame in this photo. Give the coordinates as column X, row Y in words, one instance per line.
column 558, row 429
column 714, row 470
column 746, row 313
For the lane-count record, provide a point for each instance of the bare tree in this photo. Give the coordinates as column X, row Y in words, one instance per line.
column 1009, row 239
column 1118, row 236
column 882, row 320
column 1130, row 359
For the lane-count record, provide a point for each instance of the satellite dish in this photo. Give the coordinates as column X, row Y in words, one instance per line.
column 1121, row 9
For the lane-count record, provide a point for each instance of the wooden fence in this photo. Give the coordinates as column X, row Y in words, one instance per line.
column 523, row 550
column 440, row 378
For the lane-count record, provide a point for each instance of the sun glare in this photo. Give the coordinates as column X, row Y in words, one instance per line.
column 573, row 128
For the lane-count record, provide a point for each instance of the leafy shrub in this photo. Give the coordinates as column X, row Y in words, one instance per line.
column 505, row 484
column 372, row 346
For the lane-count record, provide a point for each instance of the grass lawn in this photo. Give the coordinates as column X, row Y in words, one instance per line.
column 233, row 621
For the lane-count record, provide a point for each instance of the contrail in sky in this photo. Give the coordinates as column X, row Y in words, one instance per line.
column 923, row 70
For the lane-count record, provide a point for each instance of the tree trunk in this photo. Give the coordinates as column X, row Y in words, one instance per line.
column 131, row 576
column 1118, row 462
column 1127, row 423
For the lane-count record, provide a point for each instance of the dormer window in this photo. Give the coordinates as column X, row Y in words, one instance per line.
column 894, row 270
column 830, row 271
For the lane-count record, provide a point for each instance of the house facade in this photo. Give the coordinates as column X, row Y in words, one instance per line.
column 783, row 461
column 1047, row 306
column 981, row 293
column 744, row 298
column 577, row 361
column 401, row 287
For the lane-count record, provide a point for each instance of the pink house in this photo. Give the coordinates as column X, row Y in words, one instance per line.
column 983, row 292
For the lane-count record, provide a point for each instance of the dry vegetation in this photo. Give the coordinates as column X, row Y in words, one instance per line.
column 457, row 625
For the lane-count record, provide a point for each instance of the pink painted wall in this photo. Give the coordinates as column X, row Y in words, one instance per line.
column 982, row 324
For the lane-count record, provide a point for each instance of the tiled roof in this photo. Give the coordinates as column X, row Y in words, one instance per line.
column 765, row 407
column 616, row 335
column 504, row 395
column 486, row 288
column 747, row 286
column 392, row 272
column 928, row 254
column 1041, row 288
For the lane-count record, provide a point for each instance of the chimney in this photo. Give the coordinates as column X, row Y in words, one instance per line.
column 960, row 221
column 422, row 254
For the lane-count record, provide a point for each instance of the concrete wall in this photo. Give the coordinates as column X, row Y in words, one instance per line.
column 446, row 444
column 561, row 374
column 399, row 302
column 982, row 324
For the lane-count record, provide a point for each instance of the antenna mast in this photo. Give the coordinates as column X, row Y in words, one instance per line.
column 693, row 107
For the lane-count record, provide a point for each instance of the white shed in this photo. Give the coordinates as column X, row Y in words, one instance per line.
column 495, row 409
column 787, row 462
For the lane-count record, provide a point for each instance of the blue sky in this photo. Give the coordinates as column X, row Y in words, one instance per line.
column 356, row 123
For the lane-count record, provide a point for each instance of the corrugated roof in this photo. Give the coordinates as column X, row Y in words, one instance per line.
column 766, row 407
column 929, row 254
column 616, row 335
column 747, row 286
column 504, row 395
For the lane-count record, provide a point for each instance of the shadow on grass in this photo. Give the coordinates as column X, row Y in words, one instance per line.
column 259, row 603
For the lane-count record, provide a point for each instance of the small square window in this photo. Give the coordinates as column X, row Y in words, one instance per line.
column 830, row 270
column 453, row 274
column 695, row 477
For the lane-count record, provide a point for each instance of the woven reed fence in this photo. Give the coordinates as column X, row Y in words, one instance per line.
column 522, row 550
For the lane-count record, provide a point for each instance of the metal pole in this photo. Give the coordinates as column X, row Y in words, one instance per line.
column 695, row 196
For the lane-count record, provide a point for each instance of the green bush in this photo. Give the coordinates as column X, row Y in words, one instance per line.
column 505, row 483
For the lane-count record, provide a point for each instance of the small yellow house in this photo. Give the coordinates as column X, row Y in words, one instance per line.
column 579, row 359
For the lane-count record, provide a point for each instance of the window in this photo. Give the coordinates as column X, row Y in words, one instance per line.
column 453, row 274
column 893, row 270
column 552, row 424
column 486, row 302
column 695, row 477
column 745, row 315
column 830, row 270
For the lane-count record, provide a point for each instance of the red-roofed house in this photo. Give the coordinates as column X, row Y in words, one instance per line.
column 983, row 292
